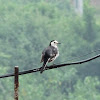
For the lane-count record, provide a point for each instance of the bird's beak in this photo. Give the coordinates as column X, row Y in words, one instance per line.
column 58, row 43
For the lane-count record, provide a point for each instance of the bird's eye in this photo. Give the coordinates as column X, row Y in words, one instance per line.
column 54, row 42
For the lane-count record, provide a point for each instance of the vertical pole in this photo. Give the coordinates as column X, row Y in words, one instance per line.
column 16, row 83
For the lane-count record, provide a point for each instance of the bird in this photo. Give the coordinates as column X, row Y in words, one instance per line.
column 49, row 54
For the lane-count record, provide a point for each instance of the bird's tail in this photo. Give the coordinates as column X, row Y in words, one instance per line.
column 44, row 65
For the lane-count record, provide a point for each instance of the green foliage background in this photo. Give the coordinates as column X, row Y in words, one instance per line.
column 27, row 27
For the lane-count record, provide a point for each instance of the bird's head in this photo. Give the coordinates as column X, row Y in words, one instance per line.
column 54, row 43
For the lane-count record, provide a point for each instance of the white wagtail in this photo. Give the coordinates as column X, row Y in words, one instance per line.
column 49, row 54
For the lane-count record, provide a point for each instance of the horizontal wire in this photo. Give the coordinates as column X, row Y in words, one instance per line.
column 51, row 67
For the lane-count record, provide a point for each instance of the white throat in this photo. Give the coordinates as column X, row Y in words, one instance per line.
column 54, row 45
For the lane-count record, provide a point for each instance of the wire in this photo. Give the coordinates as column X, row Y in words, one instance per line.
column 50, row 67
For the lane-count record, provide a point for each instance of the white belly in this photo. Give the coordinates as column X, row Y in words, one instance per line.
column 55, row 56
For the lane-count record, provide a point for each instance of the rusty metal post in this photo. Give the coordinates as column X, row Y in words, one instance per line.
column 16, row 83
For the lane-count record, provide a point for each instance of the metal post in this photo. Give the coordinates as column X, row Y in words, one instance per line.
column 16, row 83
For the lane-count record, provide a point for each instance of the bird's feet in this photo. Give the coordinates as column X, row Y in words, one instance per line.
column 42, row 69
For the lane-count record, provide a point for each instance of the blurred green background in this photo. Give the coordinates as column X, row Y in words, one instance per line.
column 27, row 27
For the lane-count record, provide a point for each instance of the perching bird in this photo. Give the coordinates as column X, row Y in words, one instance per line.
column 49, row 54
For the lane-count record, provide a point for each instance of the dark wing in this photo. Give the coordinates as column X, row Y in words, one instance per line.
column 49, row 52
